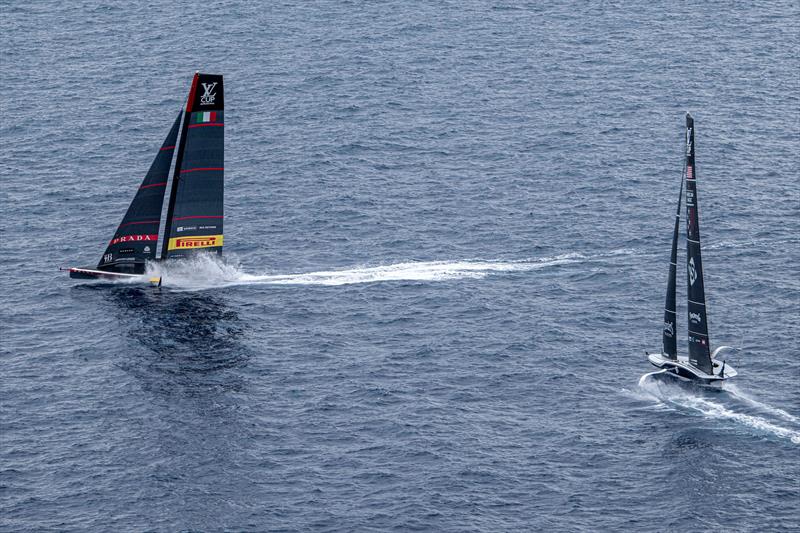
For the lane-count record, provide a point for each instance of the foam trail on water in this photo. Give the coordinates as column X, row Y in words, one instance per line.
column 715, row 410
column 206, row 272
column 677, row 397
column 734, row 391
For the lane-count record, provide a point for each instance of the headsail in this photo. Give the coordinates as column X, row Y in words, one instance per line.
column 699, row 349
column 669, row 343
column 195, row 211
column 136, row 238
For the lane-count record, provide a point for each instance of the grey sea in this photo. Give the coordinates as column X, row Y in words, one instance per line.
column 446, row 252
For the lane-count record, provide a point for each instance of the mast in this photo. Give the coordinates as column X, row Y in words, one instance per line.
column 195, row 213
column 136, row 237
column 176, row 173
column 699, row 349
column 669, row 341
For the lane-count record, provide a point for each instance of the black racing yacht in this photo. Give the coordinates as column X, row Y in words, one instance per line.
column 701, row 364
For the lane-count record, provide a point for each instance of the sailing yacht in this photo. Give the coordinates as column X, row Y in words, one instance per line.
column 701, row 364
column 177, row 216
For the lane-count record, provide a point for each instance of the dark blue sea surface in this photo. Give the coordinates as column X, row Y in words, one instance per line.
column 447, row 235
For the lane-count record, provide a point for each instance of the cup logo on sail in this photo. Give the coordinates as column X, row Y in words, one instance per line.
column 208, row 95
column 695, row 317
column 692, row 272
column 669, row 329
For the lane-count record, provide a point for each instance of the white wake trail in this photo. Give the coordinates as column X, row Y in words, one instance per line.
column 675, row 396
column 745, row 398
column 715, row 410
column 206, row 272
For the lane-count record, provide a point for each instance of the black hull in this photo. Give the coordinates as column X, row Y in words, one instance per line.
column 673, row 379
column 94, row 274
column 82, row 274
column 681, row 369
column 684, row 376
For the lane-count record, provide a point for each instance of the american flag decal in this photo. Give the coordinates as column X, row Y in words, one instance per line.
column 689, row 173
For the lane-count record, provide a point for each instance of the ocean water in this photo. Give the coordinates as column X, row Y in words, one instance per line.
column 447, row 235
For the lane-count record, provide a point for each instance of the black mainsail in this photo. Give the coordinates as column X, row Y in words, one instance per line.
column 699, row 349
column 670, row 340
column 195, row 212
column 136, row 238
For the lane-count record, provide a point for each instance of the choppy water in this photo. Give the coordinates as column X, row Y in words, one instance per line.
column 447, row 228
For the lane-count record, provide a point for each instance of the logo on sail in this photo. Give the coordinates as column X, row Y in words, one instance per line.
column 692, row 272
column 133, row 238
column 208, row 95
column 669, row 330
column 695, row 317
column 202, row 241
column 195, row 242
column 690, row 219
column 699, row 340
column 688, row 141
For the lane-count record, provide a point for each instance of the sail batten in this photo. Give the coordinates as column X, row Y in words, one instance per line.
column 136, row 239
column 699, row 344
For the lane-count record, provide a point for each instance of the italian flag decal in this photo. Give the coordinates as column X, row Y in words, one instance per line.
column 205, row 116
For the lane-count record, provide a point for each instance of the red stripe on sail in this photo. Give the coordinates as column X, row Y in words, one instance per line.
column 153, row 185
column 201, row 168
column 198, row 216
column 167, row 147
column 143, row 222
column 220, row 124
